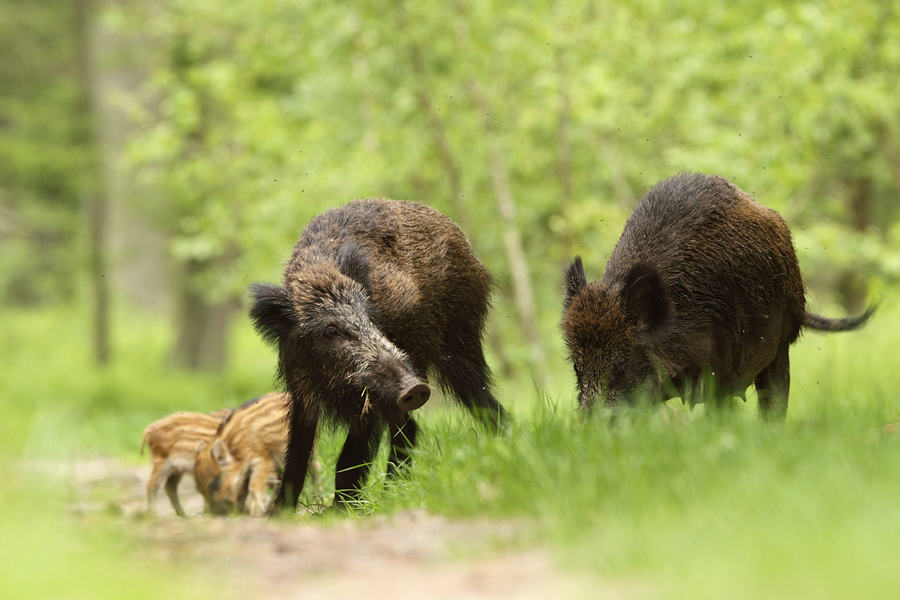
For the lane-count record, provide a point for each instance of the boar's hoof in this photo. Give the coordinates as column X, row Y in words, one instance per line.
column 414, row 397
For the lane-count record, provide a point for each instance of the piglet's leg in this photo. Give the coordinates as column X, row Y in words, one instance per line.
column 260, row 475
column 172, row 492
column 155, row 482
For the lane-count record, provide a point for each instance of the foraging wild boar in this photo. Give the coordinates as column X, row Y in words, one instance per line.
column 173, row 441
column 375, row 293
column 234, row 470
column 702, row 289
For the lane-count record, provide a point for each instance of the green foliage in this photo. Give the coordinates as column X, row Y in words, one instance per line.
column 50, row 379
column 273, row 112
column 43, row 152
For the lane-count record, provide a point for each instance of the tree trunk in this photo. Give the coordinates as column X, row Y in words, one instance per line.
column 851, row 288
column 860, row 203
column 203, row 325
column 94, row 198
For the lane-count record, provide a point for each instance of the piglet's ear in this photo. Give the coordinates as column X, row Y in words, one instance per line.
column 575, row 281
column 220, row 453
column 201, row 446
column 645, row 299
column 272, row 312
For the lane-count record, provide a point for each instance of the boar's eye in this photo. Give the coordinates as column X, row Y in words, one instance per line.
column 332, row 332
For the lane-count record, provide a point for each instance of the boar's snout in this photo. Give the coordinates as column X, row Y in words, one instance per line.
column 414, row 396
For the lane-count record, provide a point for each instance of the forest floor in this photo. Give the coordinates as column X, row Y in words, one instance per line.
column 411, row 554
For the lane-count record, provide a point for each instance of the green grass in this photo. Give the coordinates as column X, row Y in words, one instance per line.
column 47, row 554
column 698, row 505
column 683, row 503
column 704, row 508
column 49, row 378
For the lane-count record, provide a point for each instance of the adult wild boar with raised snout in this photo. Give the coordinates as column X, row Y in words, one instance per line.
column 375, row 293
column 701, row 298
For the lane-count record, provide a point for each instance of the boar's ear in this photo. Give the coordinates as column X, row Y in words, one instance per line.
column 575, row 281
column 353, row 263
column 645, row 299
column 272, row 312
column 220, row 453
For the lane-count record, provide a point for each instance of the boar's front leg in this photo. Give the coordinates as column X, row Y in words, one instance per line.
column 302, row 436
column 354, row 462
column 403, row 440
column 773, row 385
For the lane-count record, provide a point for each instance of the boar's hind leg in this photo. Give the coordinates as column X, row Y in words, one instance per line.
column 466, row 373
column 403, row 440
column 772, row 386
column 354, row 461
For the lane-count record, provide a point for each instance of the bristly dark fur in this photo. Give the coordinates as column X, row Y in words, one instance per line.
column 702, row 292
column 376, row 294
column 644, row 298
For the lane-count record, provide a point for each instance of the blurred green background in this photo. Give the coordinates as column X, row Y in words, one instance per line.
column 157, row 157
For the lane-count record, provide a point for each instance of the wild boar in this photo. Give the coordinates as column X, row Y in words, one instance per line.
column 375, row 294
column 701, row 298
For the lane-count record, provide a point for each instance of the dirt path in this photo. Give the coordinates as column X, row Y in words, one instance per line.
column 413, row 554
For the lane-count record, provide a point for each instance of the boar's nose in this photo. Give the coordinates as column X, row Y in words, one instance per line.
column 414, row 396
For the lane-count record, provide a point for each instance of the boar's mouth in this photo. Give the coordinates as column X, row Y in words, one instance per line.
column 392, row 382
column 414, row 396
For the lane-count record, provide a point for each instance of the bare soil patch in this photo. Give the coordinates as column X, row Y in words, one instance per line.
column 412, row 554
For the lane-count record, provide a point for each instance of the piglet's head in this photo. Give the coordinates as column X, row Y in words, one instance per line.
column 218, row 478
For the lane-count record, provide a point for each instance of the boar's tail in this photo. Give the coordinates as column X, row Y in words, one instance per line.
column 820, row 323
